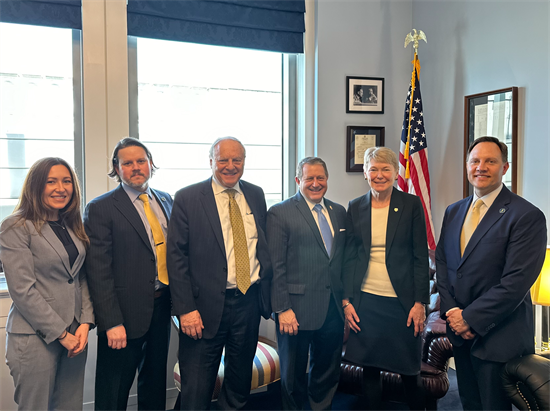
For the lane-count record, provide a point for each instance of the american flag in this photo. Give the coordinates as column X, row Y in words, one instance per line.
column 414, row 176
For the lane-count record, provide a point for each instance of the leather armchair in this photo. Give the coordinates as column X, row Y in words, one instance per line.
column 436, row 352
column 526, row 381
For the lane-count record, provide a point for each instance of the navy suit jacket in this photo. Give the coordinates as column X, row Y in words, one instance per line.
column 197, row 263
column 305, row 277
column 121, row 265
column 406, row 248
column 491, row 281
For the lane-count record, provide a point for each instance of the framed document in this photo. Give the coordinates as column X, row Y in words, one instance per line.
column 494, row 114
column 364, row 95
column 358, row 140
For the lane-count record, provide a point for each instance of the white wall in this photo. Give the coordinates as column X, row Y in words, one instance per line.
column 478, row 46
column 473, row 46
column 365, row 39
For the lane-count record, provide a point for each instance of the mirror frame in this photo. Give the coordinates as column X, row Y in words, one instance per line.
column 469, row 122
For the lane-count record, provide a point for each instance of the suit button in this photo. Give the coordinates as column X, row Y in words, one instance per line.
column 459, row 275
column 328, row 286
column 152, row 259
column 71, row 281
column 223, row 292
column 225, row 269
column 151, row 281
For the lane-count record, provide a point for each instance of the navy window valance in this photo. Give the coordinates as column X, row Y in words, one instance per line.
column 263, row 25
column 53, row 13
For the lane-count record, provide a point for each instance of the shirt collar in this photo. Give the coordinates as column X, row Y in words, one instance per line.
column 134, row 194
column 488, row 199
column 311, row 204
column 219, row 188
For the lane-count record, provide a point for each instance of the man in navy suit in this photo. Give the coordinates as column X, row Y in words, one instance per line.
column 220, row 274
column 306, row 237
column 127, row 278
column 489, row 254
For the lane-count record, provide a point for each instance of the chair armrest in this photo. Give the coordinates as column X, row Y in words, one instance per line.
column 434, row 327
column 526, row 381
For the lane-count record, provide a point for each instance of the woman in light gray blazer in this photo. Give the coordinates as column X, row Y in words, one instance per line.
column 42, row 248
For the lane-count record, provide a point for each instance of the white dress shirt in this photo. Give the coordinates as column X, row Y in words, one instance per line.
column 314, row 213
column 222, row 203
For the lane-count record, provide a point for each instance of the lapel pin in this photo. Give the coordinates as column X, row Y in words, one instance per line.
column 330, row 207
column 162, row 199
column 502, row 210
column 396, row 209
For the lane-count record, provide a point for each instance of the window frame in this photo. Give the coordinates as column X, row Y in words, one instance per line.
column 78, row 142
column 290, row 111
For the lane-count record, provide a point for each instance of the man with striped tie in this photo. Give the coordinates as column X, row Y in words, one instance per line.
column 306, row 238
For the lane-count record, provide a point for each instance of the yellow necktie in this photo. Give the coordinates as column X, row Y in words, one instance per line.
column 470, row 225
column 240, row 245
column 158, row 237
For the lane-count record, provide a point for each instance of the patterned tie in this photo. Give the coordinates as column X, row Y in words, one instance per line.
column 158, row 238
column 240, row 245
column 325, row 228
column 470, row 225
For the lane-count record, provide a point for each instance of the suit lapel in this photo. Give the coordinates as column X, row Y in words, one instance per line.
column 334, row 223
column 394, row 215
column 251, row 201
column 81, row 252
column 163, row 204
column 494, row 213
column 210, row 208
column 57, row 245
column 123, row 204
column 303, row 207
column 365, row 221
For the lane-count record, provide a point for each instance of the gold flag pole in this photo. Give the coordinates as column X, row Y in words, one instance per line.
column 414, row 38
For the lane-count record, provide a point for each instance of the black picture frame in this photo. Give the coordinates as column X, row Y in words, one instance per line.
column 358, row 140
column 364, row 95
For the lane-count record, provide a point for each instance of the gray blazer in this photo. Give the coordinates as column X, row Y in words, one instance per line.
column 47, row 293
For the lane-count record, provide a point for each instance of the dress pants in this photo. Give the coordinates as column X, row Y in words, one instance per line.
column 199, row 360
column 479, row 381
column 324, row 347
column 116, row 369
column 44, row 377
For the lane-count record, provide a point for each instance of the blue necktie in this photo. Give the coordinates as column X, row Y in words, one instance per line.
column 325, row 228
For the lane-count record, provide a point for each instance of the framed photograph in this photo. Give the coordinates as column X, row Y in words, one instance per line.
column 358, row 140
column 364, row 95
column 495, row 114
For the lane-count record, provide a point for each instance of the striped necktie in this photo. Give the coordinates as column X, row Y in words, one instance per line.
column 324, row 226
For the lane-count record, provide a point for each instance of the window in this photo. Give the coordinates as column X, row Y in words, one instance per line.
column 190, row 94
column 38, row 101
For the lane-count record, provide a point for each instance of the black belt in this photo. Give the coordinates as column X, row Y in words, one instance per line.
column 235, row 292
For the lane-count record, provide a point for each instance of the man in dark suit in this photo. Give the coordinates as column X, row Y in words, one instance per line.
column 306, row 241
column 490, row 252
column 128, row 281
column 220, row 275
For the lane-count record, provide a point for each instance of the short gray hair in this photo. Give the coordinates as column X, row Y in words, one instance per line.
column 382, row 155
column 311, row 161
column 219, row 140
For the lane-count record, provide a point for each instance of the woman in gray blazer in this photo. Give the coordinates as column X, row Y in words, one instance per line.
column 42, row 248
column 386, row 280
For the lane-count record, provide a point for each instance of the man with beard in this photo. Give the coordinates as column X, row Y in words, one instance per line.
column 128, row 281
